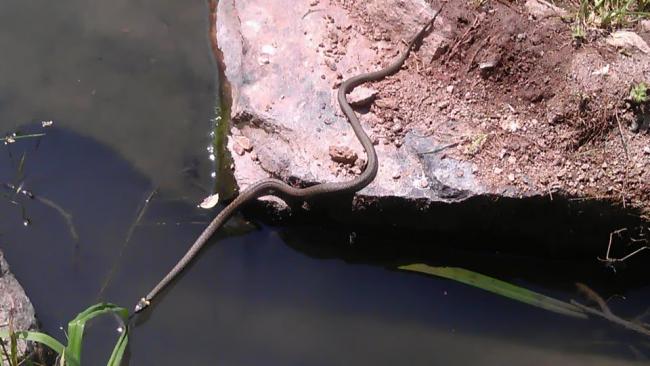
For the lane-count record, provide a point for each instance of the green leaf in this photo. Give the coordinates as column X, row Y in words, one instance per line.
column 38, row 337
column 118, row 351
column 499, row 287
column 14, row 345
column 41, row 338
column 77, row 325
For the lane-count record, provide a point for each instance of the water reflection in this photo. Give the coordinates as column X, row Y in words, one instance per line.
column 136, row 76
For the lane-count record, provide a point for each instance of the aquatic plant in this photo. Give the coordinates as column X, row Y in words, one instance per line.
column 500, row 288
column 505, row 289
column 69, row 355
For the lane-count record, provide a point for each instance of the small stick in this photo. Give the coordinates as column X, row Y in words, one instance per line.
column 620, row 131
column 593, row 296
column 11, row 139
column 605, row 311
column 613, row 318
column 613, row 261
column 439, row 149
column 478, row 49
column 462, row 38
column 312, row 11
column 66, row 216
column 141, row 212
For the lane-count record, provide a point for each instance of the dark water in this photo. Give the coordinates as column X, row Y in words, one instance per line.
column 131, row 89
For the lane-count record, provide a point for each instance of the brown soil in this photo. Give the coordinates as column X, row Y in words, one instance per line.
column 507, row 92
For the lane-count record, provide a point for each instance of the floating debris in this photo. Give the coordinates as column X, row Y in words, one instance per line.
column 11, row 138
column 47, row 123
column 210, row 201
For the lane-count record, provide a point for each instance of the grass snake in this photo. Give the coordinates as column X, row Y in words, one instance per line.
column 279, row 188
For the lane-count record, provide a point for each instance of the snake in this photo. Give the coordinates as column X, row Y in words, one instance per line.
column 279, row 188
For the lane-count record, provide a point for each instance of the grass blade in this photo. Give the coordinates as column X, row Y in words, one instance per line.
column 77, row 325
column 118, row 351
column 13, row 344
column 41, row 338
column 499, row 287
column 71, row 355
column 38, row 337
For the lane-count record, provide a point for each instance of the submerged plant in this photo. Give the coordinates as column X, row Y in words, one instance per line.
column 70, row 355
column 499, row 287
column 574, row 308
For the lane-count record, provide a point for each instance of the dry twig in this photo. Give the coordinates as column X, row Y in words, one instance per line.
column 605, row 311
column 613, row 262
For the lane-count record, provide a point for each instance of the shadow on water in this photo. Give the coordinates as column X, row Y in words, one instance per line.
column 131, row 89
column 273, row 295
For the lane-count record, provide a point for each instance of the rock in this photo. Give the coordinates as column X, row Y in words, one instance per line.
column 646, row 150
column 543, row 9
column 442, row 48
column 361, row 96
column 485, row 68
column 244, row 143
column 343, row 155
column 14, row 303
column 238, row 149
column 645, row 25
column 302, row 135
column 510, row 124
column 386, row 103
column 628, row 40
column 331, row 64
column 424, row 183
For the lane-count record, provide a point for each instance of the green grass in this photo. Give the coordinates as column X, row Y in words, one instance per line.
column 69, row 355
column 639, row 93
column 578, row 33
column 610, row 14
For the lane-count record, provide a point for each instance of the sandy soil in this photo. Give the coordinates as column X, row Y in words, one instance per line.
column 515, row 94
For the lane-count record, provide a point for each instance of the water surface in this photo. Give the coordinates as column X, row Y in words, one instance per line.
column 130, row 86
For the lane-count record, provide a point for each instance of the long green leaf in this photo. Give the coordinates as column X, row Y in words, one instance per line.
column 14, row 345
column 77, row 325
column 39, row 337
column 71, row 355
column 118, row 351
column 499, row 287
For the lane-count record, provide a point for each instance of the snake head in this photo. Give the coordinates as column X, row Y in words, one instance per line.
column 141, row 305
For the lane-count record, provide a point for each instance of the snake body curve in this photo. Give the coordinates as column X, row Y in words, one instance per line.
column 279, row 188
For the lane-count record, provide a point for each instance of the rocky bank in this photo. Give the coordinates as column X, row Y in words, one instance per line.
column 498, row 120
column 14, row 303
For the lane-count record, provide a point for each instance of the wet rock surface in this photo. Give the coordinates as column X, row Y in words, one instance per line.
column 14, row 303
column 485, row 109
